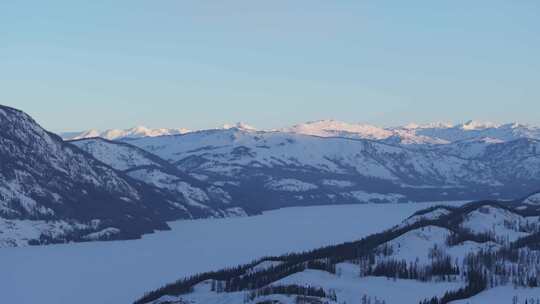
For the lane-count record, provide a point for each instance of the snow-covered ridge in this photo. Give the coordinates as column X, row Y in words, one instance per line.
column 240, row 126
column 329, row 128
column 111, row 134
column 434, row 256
column 141, row 131
column 195, row 198
column 117, row 155
column 410, row 134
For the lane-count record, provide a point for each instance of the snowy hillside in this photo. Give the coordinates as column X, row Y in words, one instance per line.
column 195, row 197
column 296, row 169
column 51, row 191
column 438, row 255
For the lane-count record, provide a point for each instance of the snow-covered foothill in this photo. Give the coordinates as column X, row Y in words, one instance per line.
column 500, row 222
column 186, row 192
column 449, row 247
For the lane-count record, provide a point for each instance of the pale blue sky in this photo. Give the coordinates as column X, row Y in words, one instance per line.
column 76, row 65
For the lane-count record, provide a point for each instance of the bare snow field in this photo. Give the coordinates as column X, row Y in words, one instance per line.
column 119, row 272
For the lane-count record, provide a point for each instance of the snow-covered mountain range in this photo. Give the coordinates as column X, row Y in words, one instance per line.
column 411, row 134
column 296, row 169
column 443, row 254
column 139, row 132
column 327, row 162
column 96, row 188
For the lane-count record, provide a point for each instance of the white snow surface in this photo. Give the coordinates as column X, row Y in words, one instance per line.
column 118, row 156
column 239, row 125
column 120, row 271
column 416, row 244
column 495, row 220
column 331, row 128
column 503, row 295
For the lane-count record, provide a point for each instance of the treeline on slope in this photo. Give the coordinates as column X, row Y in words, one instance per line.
column 442, row 267
column 238, row 279
column 433, row 208
column 303, row 291
column 512, row 264
column 476, row 283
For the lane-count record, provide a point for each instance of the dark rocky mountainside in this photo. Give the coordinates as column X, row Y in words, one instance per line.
column 52, row 191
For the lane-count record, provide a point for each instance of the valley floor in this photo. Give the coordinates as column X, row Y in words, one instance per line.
column 119, row 272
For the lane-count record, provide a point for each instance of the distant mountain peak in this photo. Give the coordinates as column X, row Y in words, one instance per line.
column 432, row 125
column 410, row 134
column 329, row 127
column 477, row 125
column 135, row 132
column 240, row 126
